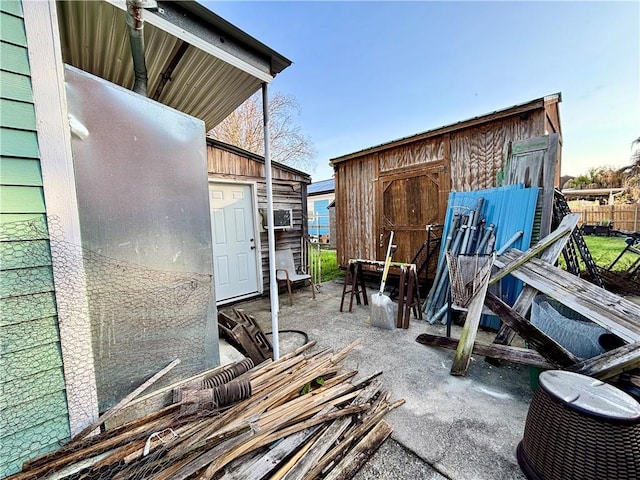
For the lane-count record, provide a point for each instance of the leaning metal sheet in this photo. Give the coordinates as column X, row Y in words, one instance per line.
column 141, row 181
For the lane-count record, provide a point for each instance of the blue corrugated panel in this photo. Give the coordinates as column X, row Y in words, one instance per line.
column 510, row 208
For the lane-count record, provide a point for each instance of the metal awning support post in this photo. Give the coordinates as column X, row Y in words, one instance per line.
column 273, row 283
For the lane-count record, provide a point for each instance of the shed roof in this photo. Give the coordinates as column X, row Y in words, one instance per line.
column 258, row 158
column 323, row 186
column 218, row 67
column 487, row 117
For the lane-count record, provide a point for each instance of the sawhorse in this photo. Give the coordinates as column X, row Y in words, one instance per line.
column 354, row 279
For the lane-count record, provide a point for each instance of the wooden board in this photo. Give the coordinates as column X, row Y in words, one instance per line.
column 621, row 317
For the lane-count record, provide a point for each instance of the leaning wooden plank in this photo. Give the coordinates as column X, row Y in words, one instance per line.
column 525, row 299
column 621, row 317
column 523, row 356
column 560, row 236
column 361, row 452
column 122, row 403
column 547, row 346
column 469, row 331
column 611, row 363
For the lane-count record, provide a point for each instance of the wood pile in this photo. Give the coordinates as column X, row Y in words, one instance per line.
column 302, row 417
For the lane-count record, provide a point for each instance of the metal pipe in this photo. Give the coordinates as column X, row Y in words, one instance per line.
column 474, row 227
column 467, row 231
column 135, row 27
column 516, row 236
column 441, row 261
column 273, row 282
column 485, row 238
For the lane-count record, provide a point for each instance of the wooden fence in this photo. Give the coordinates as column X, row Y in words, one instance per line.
column 623, row 217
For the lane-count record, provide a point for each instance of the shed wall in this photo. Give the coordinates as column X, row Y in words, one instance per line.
column 289, row 192
column 33, row 403
column 470, row 159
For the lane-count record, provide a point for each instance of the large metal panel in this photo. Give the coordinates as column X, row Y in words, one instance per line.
column 141, row 181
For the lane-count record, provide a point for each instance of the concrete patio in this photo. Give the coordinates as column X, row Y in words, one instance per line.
column 464, row 428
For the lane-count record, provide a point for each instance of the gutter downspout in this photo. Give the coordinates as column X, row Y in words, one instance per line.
column 135, row 26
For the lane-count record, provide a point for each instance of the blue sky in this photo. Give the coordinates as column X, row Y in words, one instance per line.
column 366, row 73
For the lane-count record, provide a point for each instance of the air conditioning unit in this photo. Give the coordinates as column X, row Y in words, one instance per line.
column 282, row 219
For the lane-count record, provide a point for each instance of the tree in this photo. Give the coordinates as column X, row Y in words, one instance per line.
column 244, row 129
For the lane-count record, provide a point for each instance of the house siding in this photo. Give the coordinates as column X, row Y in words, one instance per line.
column 32, row 396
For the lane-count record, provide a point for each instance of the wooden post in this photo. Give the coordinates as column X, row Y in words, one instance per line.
column 470, row 329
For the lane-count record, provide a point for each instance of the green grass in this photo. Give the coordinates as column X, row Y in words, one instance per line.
column 329, row 269
column 604, row 250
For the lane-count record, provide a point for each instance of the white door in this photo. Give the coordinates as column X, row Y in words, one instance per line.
column 234, row 245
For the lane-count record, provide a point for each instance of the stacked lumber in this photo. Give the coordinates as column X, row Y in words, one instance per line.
column 301, row 417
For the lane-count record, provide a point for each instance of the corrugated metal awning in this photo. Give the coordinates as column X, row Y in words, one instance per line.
column 208, row 82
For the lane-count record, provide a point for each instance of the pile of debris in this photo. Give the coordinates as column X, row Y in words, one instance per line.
column 618, row 318
column 299, row 417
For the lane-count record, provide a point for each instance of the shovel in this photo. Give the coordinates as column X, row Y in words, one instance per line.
column 382, row 314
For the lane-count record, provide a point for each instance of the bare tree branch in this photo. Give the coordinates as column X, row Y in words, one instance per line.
column 244, row 129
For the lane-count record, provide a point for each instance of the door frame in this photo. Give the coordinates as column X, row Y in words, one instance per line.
column 256, row 234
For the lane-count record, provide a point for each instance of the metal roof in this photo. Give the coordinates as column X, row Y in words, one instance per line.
column 323, row 186
column 220, row 68
column 487, row 117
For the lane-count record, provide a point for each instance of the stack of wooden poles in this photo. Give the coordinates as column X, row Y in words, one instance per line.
column 304, row 417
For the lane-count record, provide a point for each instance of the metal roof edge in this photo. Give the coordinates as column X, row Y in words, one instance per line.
column 278, row 61
column 495, row 115
column 254, row 156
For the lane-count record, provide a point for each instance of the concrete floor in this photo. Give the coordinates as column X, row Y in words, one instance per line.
column 463, row 428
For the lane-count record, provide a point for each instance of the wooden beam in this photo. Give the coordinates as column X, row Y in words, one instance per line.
column 611, row 363
column 523, row 356
column 621, row 317
column 548, row 347
column 474, row 312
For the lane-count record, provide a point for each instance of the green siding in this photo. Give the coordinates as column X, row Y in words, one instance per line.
column 17, row 114
column 14, row 199
column 15, row 310
column 23, row 363
column 35, row 440
column 33, row 403
column 18, row 143
column 25, row 281
column 15, row 87
column 11, row 421
column 14, row 58
column 20, row 171
column 20, row 336
column 14, row 7
column 23, row 226
column 12, row 29
column 24, row 254
column 29, row 389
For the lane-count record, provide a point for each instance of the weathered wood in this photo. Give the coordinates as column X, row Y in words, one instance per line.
column 564, row 230
column 359, row 455
column 545, row 345
column 462, row 357
column 513, row 354
column 122, row 403
column 611, row 363
column 528, row 293
column 621, row 317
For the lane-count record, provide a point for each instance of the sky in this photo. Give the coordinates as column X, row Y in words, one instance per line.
column 366, row 73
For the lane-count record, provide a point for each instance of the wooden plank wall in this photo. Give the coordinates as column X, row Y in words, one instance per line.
column 357, row 208
column 473, row 156
column 289, row 191
column 34, row 410
column 477, row 153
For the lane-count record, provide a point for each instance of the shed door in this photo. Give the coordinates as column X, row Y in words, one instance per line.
column 234, row 248
column 412, row 200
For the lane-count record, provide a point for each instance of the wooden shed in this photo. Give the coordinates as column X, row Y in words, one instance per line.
column 403, row 185
column 238, row 199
